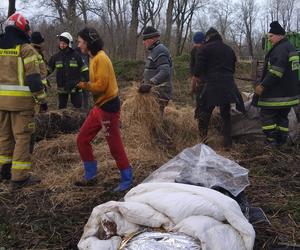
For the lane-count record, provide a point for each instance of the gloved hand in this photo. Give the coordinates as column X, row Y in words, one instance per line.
column 43, row 107
column 81, row 85
column 144, row 88
column 259, row 89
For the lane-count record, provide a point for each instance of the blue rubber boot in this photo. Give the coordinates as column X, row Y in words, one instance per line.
column 90, row 174
column 90, row 168
column 126, row 180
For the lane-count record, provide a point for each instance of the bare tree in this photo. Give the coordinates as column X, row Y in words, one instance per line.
column 149, row 12
column 133, row 28
column 169, row 22
column 248, row 10
column 286, row 11
column 184, row 11
column 222, row 12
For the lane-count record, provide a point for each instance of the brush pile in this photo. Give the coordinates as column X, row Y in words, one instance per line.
column 56, row 122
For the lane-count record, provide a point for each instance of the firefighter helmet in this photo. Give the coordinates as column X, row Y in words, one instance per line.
column 68, row 36
column 18, row 21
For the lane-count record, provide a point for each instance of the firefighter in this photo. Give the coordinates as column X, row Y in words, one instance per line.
column 37, row 41
column 20, row 88
column 70, row 70
column 278, row 88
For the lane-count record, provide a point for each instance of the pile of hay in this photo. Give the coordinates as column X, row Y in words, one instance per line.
column 150, row 140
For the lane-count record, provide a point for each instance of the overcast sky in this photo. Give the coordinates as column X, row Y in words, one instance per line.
column 27, row 12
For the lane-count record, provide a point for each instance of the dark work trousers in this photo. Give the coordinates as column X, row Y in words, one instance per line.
column 85, row 99
column 76, row 100
column 200, row 102
column 204, row 118
column 275, row 124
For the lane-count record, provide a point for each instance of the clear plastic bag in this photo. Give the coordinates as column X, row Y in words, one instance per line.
column 202, row 166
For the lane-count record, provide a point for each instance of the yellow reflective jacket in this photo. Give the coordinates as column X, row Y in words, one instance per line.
column 18, row 64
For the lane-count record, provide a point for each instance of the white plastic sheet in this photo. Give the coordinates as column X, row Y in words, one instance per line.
column 204, row 214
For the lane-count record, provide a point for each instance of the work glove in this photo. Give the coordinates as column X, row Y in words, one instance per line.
column 144, row 88
column 81, row 85
column 43, row 107
column 259, row 89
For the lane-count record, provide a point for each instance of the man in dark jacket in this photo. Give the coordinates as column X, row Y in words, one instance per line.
column 158, row 68
column 215, row 65
column 70, row 70
column 278, row 90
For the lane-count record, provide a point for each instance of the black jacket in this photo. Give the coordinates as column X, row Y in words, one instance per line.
column 215, row 65
column 70, row 69
column 193, row 58
column 280, row 76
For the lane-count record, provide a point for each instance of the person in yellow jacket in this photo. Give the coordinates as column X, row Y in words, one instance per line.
column 20, row 88
column 105, row 113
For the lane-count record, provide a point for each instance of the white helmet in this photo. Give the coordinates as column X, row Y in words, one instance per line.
column 67, row 36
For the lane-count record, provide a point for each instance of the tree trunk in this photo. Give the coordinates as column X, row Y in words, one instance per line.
column 169, row 22
column 133, row 29
column 11, row 7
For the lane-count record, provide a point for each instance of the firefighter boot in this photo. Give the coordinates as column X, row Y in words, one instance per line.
column 5, row 173
column 126, row 180
column 281, row 138
column 89, row 179
column 30, row 180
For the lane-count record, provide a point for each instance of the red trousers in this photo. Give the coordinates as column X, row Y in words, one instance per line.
column 96, row 120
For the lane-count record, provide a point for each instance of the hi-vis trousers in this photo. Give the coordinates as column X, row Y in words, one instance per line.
column 16, row 128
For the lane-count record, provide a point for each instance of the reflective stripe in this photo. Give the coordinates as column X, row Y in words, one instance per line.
column 280, row 99
column 20, row 71
column 294, row 58
column 278, row 104
column 277, row 71
column 269, row 127
column 44, row 81
column 76, row 90
column 30, row 59
column 14, row 90
column 41, row 96
column 73, row 65
column 10, row 52
column 21, row 165
column 282, row 129
column 295, row 62
column 270, row 139
column 5, row 159
column 58, row 65
column 84, row 68
column 14, row 87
